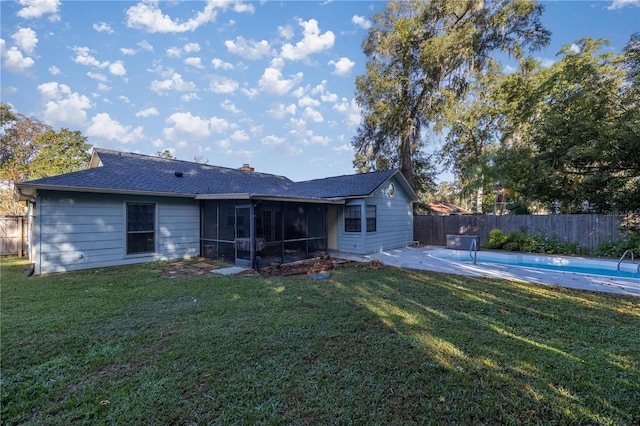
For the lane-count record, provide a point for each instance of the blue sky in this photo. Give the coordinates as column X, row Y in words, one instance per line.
column 268, row 83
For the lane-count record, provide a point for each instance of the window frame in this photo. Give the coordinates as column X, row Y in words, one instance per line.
column 153, row 231
column 372, row 220
column 353, row 218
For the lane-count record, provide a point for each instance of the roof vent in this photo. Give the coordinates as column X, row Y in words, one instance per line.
column 178, row 174
column 246, row 168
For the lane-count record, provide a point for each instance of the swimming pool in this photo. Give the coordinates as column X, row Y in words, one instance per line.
column 607, row 268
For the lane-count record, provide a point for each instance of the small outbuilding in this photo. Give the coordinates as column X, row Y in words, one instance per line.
column 129, row 208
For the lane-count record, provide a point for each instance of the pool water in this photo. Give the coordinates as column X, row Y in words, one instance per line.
column 607, row 268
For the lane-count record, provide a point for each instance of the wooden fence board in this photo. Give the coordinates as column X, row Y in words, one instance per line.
column 13, row 236
column 588, row 230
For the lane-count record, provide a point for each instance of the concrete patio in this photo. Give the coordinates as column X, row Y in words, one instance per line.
column 419, row 258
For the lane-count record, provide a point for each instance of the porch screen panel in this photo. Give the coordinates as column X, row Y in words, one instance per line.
column 317, row 218
column 210, row 220
column 295, row 223
column 227, row 221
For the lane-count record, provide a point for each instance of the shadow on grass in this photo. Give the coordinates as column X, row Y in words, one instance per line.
column 521, row 352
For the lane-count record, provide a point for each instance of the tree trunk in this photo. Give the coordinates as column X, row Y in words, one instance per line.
column 406, row 167
column 479, row 196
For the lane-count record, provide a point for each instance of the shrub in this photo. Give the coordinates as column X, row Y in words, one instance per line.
column 496, row 239
column 618, row 247
column 537, row 243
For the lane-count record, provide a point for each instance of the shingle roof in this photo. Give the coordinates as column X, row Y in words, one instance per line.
column 129, row 172
column 342, row 186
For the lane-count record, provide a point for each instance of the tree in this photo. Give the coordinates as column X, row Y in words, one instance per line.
column 31, row 149
column 472, row 124
column 165, row 154
column 19, row 146
column 60, row 152
column 581, row 141
column 417, row 48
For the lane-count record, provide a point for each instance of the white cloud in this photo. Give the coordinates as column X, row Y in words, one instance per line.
column 361, row 22
column 220, row 84
column 191, row 48
column 177, row 52
column 103, row 88
column 174, row 83
column 14, row 61
column 144, row 45
column 103, row 27
column 124, row 99
column 350, row 110
column 313, row 115
column 103, row 126
column 312, row 42
column 248, row 49
column 343, row 66
column 117, row 68
column 127, row 51
column 619, row 4
column 220, row 64
column 280, row 111
column 83, row 57
column 189, row 97
column 306, row 101
column 194, row 62
column 343, row 149
column 272, row 82
column 280, row 145
column 53, row 70
column 97, row 76
column 148, row 112
column 26, row 40
column 319, row 140
column 37, row 8
column 147, row 16
column 227, row 105
column 250, row 93
column 183, row 124
column 239, row 136
column 174, row 52
column 286, row 32
column 62, row 105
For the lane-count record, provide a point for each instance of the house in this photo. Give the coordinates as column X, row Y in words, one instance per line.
column 129, row 208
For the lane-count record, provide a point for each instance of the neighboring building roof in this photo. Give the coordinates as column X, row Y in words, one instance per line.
column 446, row 209
column 122, row 172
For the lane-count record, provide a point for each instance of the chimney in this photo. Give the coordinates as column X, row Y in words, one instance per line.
column 246, row 168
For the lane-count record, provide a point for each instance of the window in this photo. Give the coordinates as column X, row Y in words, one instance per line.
column 352, row 219
column 371, row 218
column 141, row 225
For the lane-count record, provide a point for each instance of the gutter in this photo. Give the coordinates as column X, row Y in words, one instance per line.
column 30, row 191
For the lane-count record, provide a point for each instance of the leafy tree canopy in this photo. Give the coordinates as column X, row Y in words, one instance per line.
column 31, row 149
column 416, row 49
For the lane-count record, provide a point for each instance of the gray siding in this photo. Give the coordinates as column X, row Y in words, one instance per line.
column 394, row 227
column 349, row 242
column 81, row 231
column 394, row 220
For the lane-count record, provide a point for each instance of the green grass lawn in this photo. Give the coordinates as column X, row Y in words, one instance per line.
column 388, row 346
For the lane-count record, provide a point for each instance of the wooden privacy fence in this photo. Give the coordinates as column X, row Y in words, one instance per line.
column 13, row 235
column 588, row 230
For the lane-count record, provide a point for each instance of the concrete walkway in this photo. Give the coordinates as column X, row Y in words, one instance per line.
column 419, row 258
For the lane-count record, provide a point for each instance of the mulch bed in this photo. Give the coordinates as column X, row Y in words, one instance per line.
column 186, row 269
column 315, row 266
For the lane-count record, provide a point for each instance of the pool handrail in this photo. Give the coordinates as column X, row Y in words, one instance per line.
column 623, row 256
column 474, row 245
